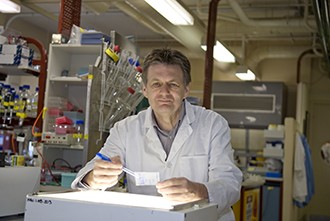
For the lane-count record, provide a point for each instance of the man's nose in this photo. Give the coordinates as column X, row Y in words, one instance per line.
column 165, row 89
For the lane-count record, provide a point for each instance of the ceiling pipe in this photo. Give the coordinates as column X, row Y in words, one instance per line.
column 308, row 26
column 131, row 11
column 315, row 47
column 38, row 10
column 269, row 23
column 301, row 56
column 261, row 53
column 210, row 40
column 322, row 18
column 11, row 19
column 204, row 14
column 97, row 8
column 190, row 36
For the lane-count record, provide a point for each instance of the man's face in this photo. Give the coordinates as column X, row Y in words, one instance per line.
column 165, row 88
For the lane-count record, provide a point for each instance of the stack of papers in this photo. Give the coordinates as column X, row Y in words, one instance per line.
column 92, row 38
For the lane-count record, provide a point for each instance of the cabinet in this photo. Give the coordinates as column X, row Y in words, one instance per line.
column 271, row 201
column 64, row 88
column 276, row 194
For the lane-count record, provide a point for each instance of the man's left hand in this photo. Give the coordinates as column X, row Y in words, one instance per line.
column 182, row 189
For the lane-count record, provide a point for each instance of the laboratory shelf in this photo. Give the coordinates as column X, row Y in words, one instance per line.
column 68, row 79
column 77, row 49
column 258, row 153
column 18, row 70
column 68, row 65
column 62, row 146
column 40, row 73
column 274, row 134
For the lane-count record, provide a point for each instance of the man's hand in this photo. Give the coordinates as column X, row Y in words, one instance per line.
column 182, row 189
column 105, row 174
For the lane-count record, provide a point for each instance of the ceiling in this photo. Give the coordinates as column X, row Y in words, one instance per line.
column 252, row 29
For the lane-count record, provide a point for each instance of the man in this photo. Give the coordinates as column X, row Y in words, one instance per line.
column 188, row 145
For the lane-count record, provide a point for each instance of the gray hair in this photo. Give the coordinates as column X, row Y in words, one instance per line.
column 167, row 56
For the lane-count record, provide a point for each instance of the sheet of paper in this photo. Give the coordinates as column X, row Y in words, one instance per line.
column 146, row 178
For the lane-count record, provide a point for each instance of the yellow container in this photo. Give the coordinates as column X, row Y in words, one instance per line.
column 248, row 207
column 17, row 160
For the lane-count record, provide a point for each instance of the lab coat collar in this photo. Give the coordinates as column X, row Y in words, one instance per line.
column 188, row 119
column 183, row 133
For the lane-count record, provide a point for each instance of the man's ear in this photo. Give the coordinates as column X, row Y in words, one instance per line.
column 144, row 91
column 187, row 91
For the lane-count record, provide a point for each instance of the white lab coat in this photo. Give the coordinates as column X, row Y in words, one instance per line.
column 299, row 175
column 201, row 152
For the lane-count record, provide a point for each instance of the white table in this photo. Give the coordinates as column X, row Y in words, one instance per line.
column 113, row 206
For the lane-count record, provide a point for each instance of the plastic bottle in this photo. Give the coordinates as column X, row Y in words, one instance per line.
column 24, row 102
column 26, row 96
column 79, row 135
column 16, row 103
column 11, row 104
column 6, row 95
column 34, row 103
column 1, row 98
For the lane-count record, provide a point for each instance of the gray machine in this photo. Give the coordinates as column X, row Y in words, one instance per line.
column 252, row 105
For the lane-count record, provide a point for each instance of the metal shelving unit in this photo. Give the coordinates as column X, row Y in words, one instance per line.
column 41, row 73
column 86, row 92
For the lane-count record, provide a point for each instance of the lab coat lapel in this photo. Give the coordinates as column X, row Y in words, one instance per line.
column 180, row 138
column 184, row 131
column 152, row 141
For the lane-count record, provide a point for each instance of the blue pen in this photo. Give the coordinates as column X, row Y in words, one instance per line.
column 103, row 157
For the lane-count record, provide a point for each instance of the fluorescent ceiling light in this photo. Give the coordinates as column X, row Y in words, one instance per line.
column 7, row 6
column 172, row 11
column 221, row 53
column 245, row 74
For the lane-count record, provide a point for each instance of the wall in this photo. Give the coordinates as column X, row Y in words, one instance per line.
column 22, row 28
column 318, row 134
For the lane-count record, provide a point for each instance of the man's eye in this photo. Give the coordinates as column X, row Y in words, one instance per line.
column 173, row 85
column 156, row 84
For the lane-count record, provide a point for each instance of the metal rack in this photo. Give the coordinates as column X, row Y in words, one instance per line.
column 41, row 74
column 114, row 90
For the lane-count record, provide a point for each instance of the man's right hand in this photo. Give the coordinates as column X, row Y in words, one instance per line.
column 105, row 174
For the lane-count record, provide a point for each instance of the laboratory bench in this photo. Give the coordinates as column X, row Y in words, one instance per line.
column 77, row 205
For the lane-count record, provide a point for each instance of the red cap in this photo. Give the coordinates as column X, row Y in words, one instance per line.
column 139, row 69
column 130, row 90
column 116, row 48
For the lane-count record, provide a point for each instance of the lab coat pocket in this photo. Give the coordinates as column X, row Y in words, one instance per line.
column 195, row 168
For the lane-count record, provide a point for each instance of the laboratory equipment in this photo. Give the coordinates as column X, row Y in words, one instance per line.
column 250, row 104
column 108, row 205
column 121, row 86
column 79, row 135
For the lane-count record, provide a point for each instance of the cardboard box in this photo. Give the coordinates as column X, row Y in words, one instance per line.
column 13, row 59
column 18, row 50
column 11, row 49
